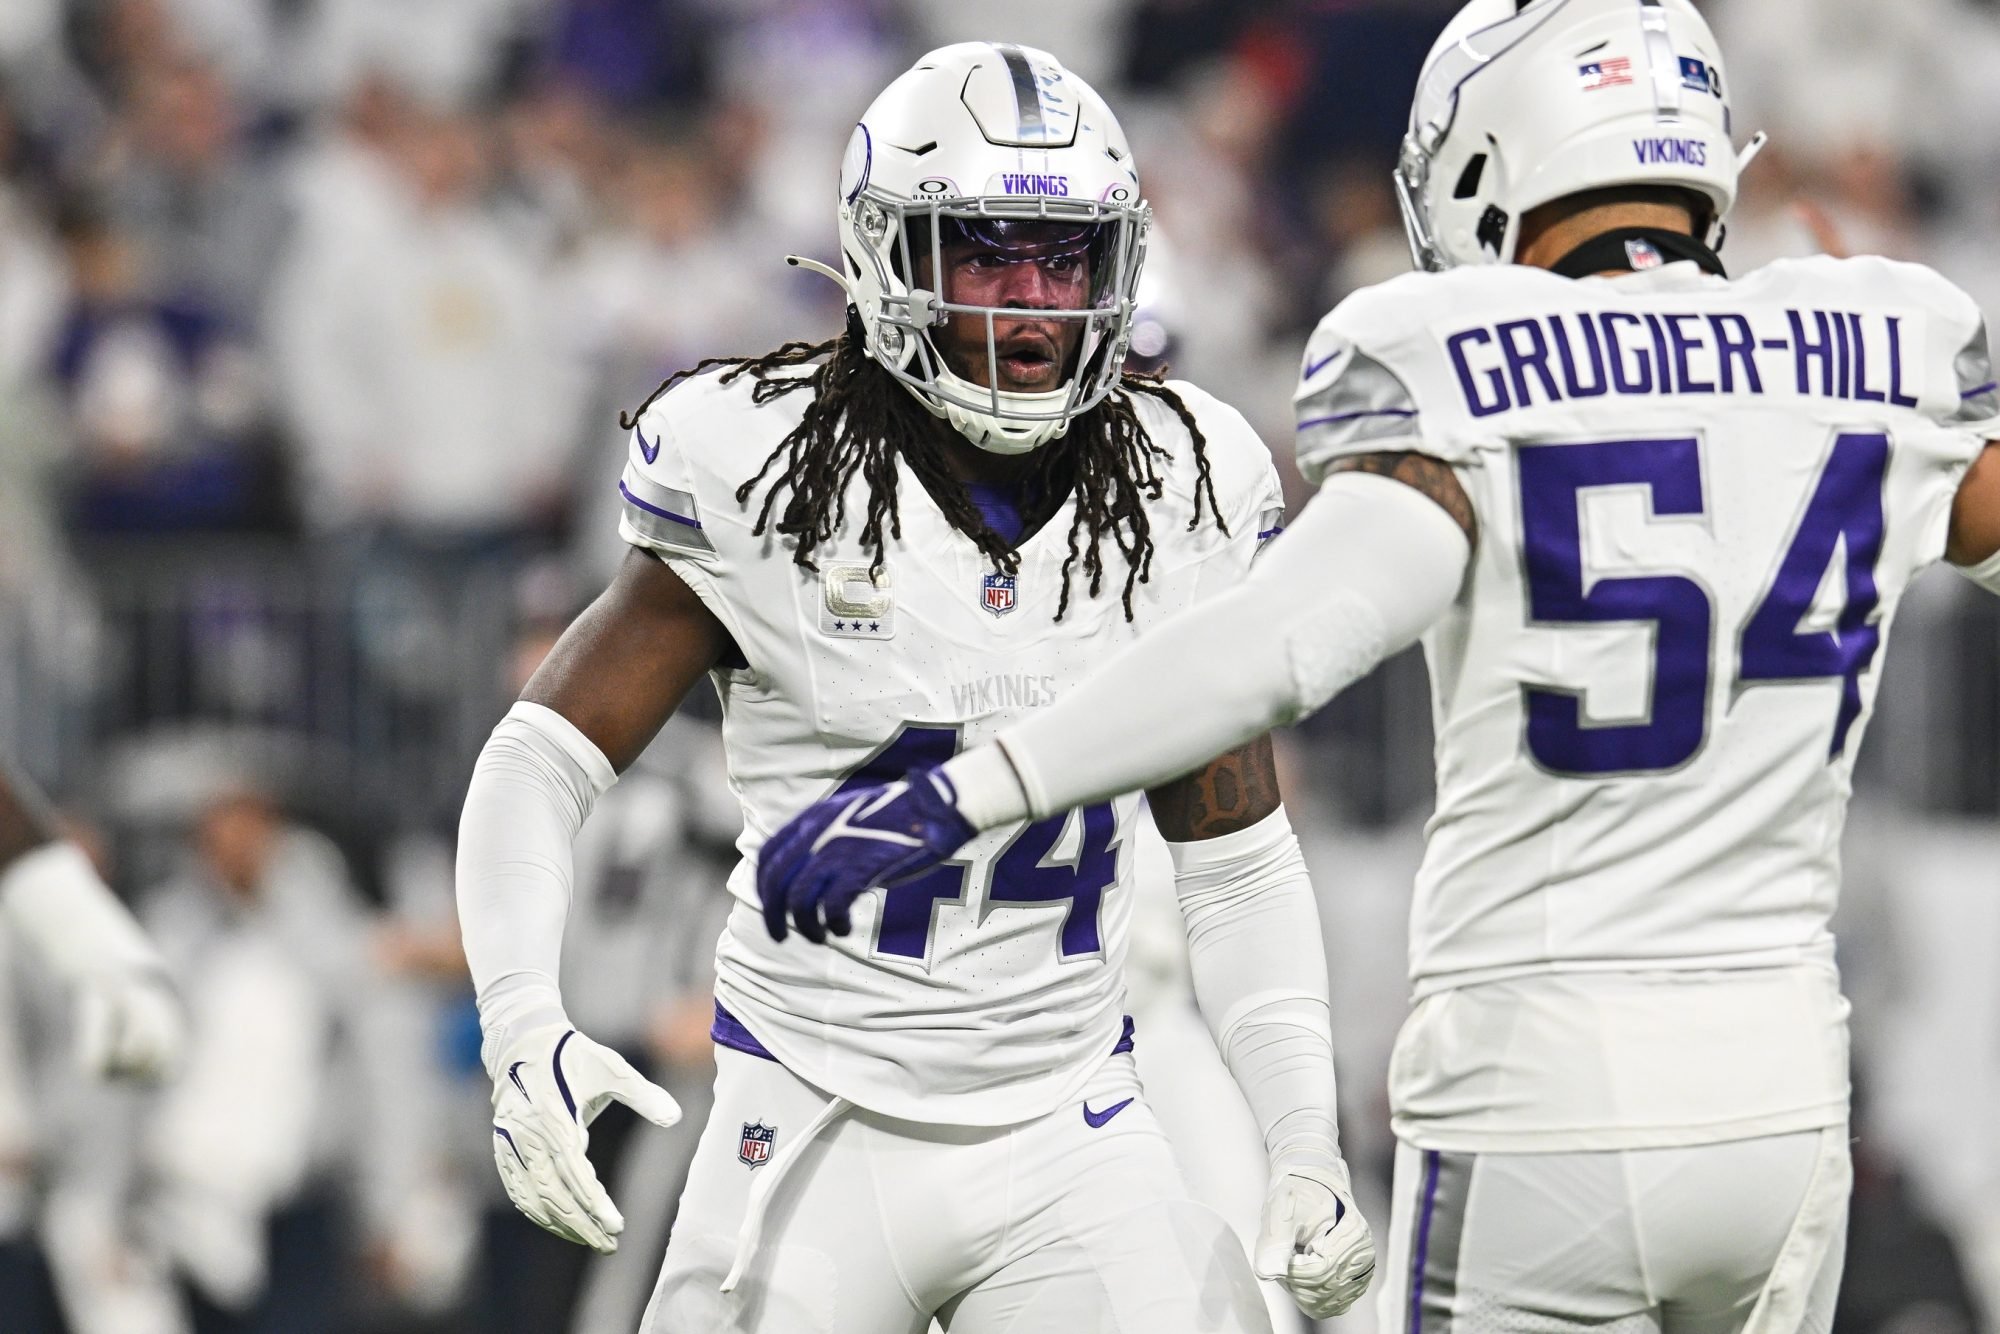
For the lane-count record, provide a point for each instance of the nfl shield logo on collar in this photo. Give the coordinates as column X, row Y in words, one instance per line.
column 997, row 593
column 755, row 1148
column 1643, row 255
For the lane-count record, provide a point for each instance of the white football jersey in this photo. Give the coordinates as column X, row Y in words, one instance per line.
column 987, row 991
column 1699, row 502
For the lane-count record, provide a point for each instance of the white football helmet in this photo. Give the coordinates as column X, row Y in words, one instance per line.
column 1001, row 143
column 1523, row 102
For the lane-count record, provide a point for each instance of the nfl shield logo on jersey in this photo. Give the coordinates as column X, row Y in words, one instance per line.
column 755, row 1148
column 997, row 593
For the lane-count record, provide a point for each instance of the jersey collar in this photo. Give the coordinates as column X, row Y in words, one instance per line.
column 1637, row 250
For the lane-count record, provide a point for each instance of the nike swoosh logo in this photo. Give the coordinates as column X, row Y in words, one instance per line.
column 1315, row 367
column 650, row 451
column 511, row 1074
column 1098, row 1120
column 511, row 1144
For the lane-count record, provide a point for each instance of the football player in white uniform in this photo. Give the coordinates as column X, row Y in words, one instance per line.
column 1652, row 525
column 128, row 1019
column 883, row 548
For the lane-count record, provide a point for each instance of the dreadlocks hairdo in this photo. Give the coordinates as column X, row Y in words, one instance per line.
column 861, row 420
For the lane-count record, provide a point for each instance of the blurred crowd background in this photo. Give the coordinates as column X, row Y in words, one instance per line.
column 315, row 318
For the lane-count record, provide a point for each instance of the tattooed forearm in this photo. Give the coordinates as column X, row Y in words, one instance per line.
column 1232, row 793
column 1428, row 475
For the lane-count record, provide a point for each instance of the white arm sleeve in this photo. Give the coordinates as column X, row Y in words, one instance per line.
column 533, row 787
column 1986, row 574
column 1254, row 947
column 1368, row 567
column 54, row 897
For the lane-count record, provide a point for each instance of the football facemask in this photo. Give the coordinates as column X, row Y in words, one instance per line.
column 989, row 262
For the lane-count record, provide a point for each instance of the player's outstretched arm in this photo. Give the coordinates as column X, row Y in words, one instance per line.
column 1365, row 570
column 129, row 1020
column 1974, row 544
column 606, row 688
column 1261, row 981
column 1374, row 560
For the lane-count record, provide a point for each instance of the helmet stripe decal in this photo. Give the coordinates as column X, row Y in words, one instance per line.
column 1665, row 63
column 1027, row 97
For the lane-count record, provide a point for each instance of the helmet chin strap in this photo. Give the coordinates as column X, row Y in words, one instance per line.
column 997, row 435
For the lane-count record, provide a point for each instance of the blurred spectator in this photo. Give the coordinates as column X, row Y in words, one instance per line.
column 164, row 397
column 1165, row 39
column 413, row 339
column 211, row 215
column 797, row 74
column 451, row 50
column 1358, row 231
column 1084, row 33
column 34, row 292
column 666, row 231
column 1345, row 73
column 298, row 1058
column 1823, row 71
column 562, row 154
column 632, row 55
column 32, row 279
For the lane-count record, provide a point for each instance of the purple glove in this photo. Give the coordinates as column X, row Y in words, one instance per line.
column 834, row 850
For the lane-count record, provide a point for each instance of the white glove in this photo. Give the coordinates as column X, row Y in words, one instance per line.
column 129, row 1025
column 549, row 1085
column 1314, row 1241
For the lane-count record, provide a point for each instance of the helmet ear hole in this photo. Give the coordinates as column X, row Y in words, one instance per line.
column 1492, row 232
column 1468, row 180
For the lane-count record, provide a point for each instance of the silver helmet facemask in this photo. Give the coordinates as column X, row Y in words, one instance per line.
column 1109, row 237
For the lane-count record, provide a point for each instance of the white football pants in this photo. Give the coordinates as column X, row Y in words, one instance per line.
column 1743, row 1236
column 1076, row 1222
